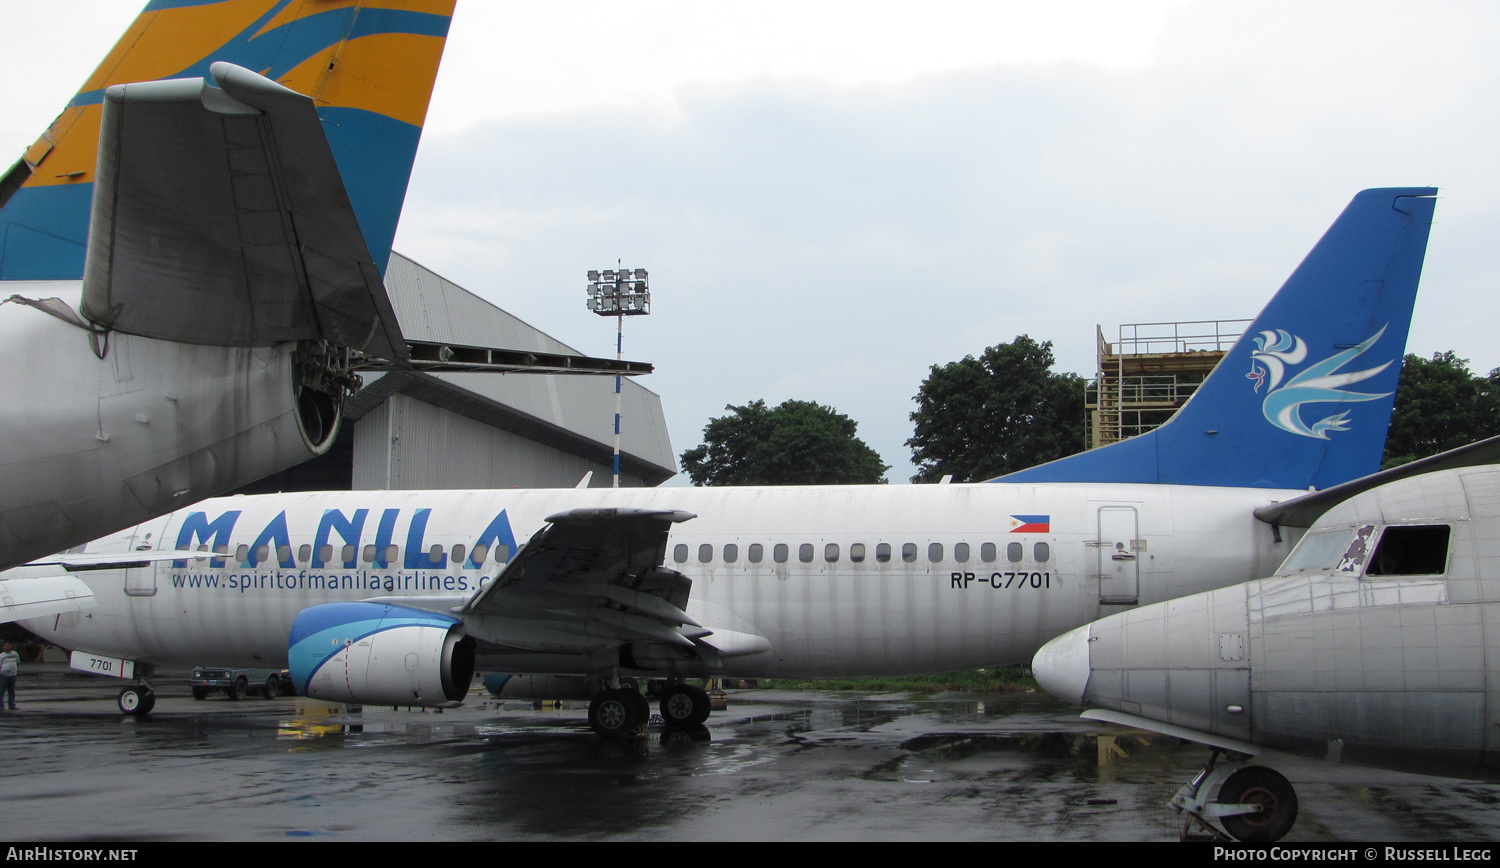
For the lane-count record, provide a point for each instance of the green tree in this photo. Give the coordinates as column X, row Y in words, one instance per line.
column 1440, row 405
column 1004, row 411
column 795, row 443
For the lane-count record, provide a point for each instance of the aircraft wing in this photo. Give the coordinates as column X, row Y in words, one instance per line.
column 37, row 596
column 219, row 217
column 590, row 579
column 1303, row 511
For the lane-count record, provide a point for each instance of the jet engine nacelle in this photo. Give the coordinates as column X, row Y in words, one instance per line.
column 380, row 654
column 151, row 427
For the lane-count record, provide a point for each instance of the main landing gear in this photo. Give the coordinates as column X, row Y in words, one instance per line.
column 1255, row 804
column 619, row 712
column 138, row 699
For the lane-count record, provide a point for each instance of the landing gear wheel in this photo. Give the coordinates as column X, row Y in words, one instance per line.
column 137, row 700
column 273, row 687
column 684, row 705
column 200, row 692
column 1258, row 785
column 613, row 713
column 238, row 689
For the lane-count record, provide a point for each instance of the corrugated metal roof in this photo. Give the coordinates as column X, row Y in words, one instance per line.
column 571, row 408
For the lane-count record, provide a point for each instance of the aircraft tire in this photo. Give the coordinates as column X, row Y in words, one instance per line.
column 238, row 689
column 613, row 714
column 684, row 705
column 1262, row 786
column 273, row 687
column 136, row 700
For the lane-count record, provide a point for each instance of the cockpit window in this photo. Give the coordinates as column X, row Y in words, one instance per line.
column 1418, row 550
column 1324, row 551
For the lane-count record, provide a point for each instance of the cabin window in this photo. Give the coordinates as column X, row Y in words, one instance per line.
column 731, row 553
column 262, row 554
column 1420, row 550
column 857, row 553
column 325, row 554
column 935, row 552
column 458, row 553
column 368, row 555
column 883, row 552
column 780, row 553
column 348, row 554
column 304, row 554
column 987, row 553
column 831, row 553
column 502, row 554
column 805, row 553
column 242, row 553
column 283, row 554
column 1014, row 553
column 909, row 552
column 679, row 553
column 1042, row 552
column 435, row 553
column 705, row 553
column 392, row 554
column 961, row 552
column 757, row 553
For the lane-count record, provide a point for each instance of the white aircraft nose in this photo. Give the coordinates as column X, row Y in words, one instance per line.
column 1062, row 666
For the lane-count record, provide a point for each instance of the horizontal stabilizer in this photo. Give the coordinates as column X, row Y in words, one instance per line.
column 40, row 596
column 1303, row 511
column 219, row 217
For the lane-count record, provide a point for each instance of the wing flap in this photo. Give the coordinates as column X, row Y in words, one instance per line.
column 591, row 578
column 219, row 217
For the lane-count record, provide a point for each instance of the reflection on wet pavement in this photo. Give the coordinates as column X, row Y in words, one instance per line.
column 775, row 765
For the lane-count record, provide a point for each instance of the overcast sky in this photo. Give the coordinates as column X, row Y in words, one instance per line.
column 831, row 197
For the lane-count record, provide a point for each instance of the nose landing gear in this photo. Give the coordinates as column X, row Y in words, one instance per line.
column 1254, row 803
column 138, row 699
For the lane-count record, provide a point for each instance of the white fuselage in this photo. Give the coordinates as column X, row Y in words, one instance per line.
column 100, row 432
column 960, row 587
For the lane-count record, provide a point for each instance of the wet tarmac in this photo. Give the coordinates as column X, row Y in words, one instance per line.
column 777, row 765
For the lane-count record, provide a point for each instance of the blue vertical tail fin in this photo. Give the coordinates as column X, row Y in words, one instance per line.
column 1304, row 398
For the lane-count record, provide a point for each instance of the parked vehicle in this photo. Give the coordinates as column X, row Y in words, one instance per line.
column 239, row 683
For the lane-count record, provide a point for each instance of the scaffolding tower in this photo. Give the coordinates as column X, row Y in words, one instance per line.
column 1150, row 371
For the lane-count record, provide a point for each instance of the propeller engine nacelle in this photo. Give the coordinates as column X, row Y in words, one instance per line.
column 380, row 654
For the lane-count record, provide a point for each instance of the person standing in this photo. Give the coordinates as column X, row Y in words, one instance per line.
column 10, row 663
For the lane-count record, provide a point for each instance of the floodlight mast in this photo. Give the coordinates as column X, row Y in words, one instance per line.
column 619, row 293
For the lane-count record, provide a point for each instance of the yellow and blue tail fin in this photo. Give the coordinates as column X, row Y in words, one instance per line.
column 1304, row 398
column 368, row 64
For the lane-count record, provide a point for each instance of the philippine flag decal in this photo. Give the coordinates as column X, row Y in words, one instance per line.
column 1031, row 524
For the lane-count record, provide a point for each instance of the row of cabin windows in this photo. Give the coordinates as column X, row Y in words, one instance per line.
column 346, row 554
column 780, row 553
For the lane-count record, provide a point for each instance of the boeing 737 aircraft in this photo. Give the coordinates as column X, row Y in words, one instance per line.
column 188, row 266
column 1368, row 644
column 394, row 597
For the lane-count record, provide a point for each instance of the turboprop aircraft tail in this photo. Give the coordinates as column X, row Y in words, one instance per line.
column 368, row 67
column 1304, row 398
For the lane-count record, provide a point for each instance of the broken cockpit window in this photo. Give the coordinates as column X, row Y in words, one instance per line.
column 1411, row 550
column 1328, row 551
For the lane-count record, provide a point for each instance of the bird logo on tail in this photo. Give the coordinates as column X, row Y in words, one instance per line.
column 1276, row 350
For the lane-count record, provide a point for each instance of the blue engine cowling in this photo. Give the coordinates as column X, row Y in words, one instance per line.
column 380, row 654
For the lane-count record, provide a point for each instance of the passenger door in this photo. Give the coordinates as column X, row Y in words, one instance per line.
column 1117, row 567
